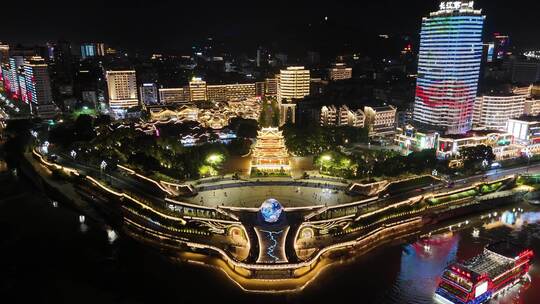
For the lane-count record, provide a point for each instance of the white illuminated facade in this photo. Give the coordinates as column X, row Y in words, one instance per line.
column 340, row 72
column 35, row 83
column 197, row 90
column 293, row 83
column 449, row 66
column 381, row 121
column 342, row 116
column 492, row 112
column 122, row 89
column 173, row 95
column 526, row 130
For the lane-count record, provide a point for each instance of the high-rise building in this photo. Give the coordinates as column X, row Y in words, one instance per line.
column 340, row 72
column 492, row 111
column 270, row 86
column 122, row 89
column 500, row 46
column 293, row 83
column 10, row 75
column 449, row 66
column 37, row 87
column 92, row 50
column 149, row 94
column 197, row 89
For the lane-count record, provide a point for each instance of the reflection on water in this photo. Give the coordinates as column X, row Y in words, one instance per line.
column 423, row 261
column 47, row 250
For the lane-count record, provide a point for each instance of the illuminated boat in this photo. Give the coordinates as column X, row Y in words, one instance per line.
column 477, row 280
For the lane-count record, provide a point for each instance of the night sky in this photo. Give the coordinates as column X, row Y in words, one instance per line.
column 161, row 25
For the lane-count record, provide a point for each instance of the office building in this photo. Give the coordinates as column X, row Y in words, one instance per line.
column 449, row 66
column 492, row 111
column 10, row 75
column 173, row 95
column 122, row 89
column 342, row 116
column 501, row 44
column 37, row 87
column 227, row 92
column 270, row 86
column 92, row 50
column 526, row 130
column 293, row 83
column 197, row 90
column 149, row 94
column 381, row 120
column 340, row 72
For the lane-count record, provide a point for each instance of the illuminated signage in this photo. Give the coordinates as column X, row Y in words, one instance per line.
column 456, row 5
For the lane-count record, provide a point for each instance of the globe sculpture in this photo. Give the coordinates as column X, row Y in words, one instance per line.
column 271, row 210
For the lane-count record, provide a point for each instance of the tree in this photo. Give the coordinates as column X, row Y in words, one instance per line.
column 84, row 127
column 245, row 128
column 477, row 156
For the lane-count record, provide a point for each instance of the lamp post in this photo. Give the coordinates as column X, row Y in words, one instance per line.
column 529, row 155
column 73, row 154
column 102, row 166
column 324, row 159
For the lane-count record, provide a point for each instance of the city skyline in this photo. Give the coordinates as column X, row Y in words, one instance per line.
column 385, row 152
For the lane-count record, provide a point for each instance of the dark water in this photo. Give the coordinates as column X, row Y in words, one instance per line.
column 48, row 257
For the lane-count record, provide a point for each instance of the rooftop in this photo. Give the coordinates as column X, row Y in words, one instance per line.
column 506, row 249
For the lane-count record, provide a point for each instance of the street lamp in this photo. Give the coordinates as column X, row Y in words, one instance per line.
column 324, row 158
column 213, row 158
column 529, row 155
column 102, row 166
column 45, row 147
column 73, row 154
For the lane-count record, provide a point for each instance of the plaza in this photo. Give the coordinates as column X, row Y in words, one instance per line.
column 290, row 193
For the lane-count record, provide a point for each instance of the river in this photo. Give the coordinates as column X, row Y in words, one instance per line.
column 48, row 256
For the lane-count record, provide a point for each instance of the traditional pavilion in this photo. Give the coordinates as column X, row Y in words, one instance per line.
column 270, row 154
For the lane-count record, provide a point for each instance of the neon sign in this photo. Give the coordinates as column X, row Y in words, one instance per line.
column 456, row 5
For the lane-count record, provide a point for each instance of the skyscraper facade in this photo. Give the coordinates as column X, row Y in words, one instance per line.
column 293, row 83
column 122, row 89
column 449, row 66
column 37, row 82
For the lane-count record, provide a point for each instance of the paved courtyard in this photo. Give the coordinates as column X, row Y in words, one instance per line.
column 252, row 194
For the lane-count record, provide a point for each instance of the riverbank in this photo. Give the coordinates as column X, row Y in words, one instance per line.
column 362, row 232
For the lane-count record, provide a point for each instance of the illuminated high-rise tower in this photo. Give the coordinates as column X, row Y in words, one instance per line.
column 293, row 83
column 449, row 66
column 122, row 88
